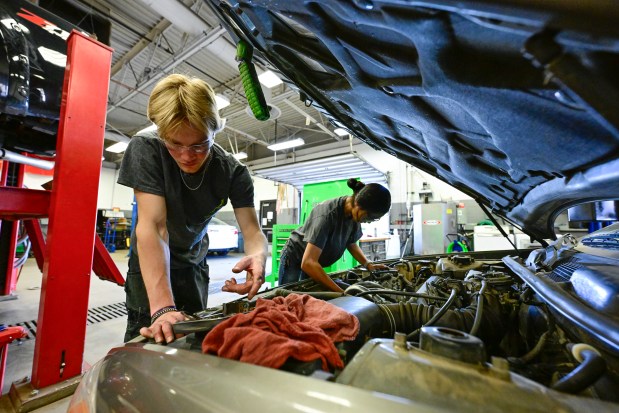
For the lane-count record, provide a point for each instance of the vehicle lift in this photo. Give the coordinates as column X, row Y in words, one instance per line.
column 61, row 328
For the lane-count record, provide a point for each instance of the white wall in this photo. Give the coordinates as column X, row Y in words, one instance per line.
column 32, row 181
column 405, row 181
column 110, row 194
column 113, row 195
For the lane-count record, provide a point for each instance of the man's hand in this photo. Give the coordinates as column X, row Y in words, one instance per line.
column 375, row 267
column 161, row 329
column 254, row 265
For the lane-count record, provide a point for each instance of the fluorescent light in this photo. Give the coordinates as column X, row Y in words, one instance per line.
column 150, row 128
column 285, row 145
column 179, row 15
column 118, row 147
column 221, row 101
column 340, row 132
column 269, row 79
column 240, row 155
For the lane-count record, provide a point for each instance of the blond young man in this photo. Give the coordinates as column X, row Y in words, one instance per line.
column 181, row 178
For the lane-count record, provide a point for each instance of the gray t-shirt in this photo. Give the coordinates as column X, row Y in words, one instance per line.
column 148, row 167
column 328, row 228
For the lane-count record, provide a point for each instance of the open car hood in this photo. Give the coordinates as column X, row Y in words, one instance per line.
column 512, row 102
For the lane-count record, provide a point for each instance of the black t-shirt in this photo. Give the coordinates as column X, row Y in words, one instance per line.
column 329, row 229
column 148, row 167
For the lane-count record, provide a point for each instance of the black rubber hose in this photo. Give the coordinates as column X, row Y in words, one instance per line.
column 321, row 295
column 438, row 314
column 480, row 309
column 404, row 293
column 591, row 368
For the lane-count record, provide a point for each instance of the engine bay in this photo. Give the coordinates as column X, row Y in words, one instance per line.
column 465, row 329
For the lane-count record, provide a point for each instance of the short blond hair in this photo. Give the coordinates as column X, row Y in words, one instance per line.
column 177, row 99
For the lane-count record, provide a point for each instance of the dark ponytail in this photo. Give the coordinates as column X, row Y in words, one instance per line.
column 374, row 198
column 355, row 185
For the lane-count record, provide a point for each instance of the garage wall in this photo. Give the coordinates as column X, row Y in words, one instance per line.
column 405, row 182
column 110, row 194
column 33, row 181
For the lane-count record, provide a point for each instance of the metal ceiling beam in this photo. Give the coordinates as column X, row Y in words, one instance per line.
column 320, row 125
column 116, row 137
column 247, row 136
column 140, row 45
column 172, row 62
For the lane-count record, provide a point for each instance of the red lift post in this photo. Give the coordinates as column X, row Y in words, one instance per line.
column 59, row 347
column 10, row 232
column 67, row 259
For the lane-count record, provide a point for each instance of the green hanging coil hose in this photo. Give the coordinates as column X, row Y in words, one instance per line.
column 253, row 91
column 457, row 246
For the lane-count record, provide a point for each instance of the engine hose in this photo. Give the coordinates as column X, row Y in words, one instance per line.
column 18, row 262
column 414, row 316
column 383, row 277
column 536, row 349
column 480, row 308
column 541, row 342
column 404, row 293
column 370, row 284
column 322, row 295
column 592, row 367
column 403, row 314
column 438, row 314
column 392, row 324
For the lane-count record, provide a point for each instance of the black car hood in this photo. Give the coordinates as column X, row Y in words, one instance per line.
column 512, row 102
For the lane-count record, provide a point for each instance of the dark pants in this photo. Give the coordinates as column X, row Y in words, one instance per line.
column 189, row 288
column 289, row 269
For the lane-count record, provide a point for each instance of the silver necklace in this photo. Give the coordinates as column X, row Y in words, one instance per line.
column 208, row 161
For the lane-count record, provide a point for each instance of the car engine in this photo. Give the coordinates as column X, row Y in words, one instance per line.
column 529, row 330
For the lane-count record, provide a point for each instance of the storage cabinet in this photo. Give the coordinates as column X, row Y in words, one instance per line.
column 281, row 233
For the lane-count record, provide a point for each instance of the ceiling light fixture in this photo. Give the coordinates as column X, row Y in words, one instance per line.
column 340, row 132
column 221, row 101
column 179, row 15
column 118, row 147
column 151, row 128
column 269, row 79
column 287, row 144
column 240, row 155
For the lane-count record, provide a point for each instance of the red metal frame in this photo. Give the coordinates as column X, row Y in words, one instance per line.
column 7, row 336
column 59, row 346
column 67, row 259
column 10, row 230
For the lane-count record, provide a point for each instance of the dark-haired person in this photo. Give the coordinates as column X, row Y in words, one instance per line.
column 180, row 179
column 333, row 227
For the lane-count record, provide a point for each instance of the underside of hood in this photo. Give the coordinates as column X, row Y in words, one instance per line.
column 512, row 102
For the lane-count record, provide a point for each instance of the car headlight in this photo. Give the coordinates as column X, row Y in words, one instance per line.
column 85, row 397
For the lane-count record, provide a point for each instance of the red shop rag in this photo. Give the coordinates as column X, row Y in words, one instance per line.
column 297, row 326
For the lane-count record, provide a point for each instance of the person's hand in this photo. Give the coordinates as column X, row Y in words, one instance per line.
column 254, row 265
column 375, row 267
column 161, row 330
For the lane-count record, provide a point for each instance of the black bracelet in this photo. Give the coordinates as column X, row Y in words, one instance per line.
column 161, row 312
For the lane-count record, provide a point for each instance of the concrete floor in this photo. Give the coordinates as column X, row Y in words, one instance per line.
column 101, row 336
